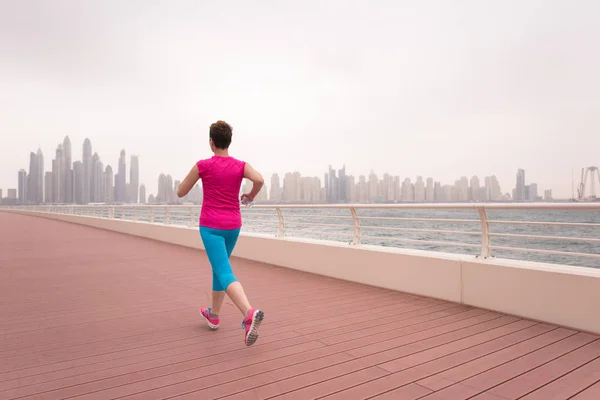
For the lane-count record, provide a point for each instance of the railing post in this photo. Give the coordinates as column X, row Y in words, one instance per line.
column 135, row 214
column 111, row 213
column 486, row 239
column 280, row 224
column 167, row 216
column 151, row 214
column 191, row 216
column 356, row 226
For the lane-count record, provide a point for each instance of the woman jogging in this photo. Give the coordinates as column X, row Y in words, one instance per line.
column 220, row 223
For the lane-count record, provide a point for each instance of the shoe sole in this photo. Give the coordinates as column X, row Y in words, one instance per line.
column 253, row 332
column 211, row 326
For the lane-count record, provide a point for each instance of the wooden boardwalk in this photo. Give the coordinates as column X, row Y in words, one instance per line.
column 91, row 314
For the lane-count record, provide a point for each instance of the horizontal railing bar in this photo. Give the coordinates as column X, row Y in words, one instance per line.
column 252, row 214
column 262, row 221
column 546, row 223
column 288, row 216
column 517, row 235
column 391, row 228
column 321, row 233
column 556, row 252
column 457, row 244
column 316, row 224
column 421, row 219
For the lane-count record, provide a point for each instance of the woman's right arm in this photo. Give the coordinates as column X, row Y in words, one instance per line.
column 257, row 180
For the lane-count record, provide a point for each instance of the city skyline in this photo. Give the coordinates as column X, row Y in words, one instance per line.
column 82, row 181
column 88, row 181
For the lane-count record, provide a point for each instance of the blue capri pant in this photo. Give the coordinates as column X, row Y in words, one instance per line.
column 219, row 245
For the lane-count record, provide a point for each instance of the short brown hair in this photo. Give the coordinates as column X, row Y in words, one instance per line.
column 220, row 133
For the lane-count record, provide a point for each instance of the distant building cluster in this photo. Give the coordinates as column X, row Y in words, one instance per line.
column 523, row 192
column 87, row 181
column 79, row 182
column 337, row 187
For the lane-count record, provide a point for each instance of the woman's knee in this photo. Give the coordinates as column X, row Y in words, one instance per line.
column 227, row 279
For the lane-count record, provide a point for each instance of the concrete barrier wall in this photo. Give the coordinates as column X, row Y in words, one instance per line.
column 567, row 296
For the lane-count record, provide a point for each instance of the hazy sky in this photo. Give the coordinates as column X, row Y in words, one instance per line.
column 432, row 88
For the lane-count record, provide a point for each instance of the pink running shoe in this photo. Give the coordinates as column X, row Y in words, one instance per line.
column 251, row 324
column 213, row 323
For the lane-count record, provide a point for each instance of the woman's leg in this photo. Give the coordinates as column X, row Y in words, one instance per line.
column 219, row 245
column 234, row 290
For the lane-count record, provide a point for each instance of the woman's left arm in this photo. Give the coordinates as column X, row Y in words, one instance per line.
column 189, row 182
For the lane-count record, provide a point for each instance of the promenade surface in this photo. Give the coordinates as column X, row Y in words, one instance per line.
column 93, row 314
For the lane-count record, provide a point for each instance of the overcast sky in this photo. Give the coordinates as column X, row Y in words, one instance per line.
column 432, row 88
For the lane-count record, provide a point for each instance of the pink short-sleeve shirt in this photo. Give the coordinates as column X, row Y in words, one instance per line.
column 221, row 181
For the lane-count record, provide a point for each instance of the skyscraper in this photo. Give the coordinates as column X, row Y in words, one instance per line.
column 32, row 185
column 57, row 175
column 40, row 177
column 533, row 192
column 48, row 183
column 78, row 178
column 109, row 185
column 121, row 181
column 342, row 191
column 420, row 190
column 94, row 193
column 134, row 179
column 142, row 194
column 275, row 195
column 67, row 177
column 22, row 186
column 474, row 189
column 429, row 191
column 292, row 187
column 491, row 183
column 350, row 189
column 87, row 170
column 520, row 188
column 99, row 180
column 373, row 187
column 408, row 193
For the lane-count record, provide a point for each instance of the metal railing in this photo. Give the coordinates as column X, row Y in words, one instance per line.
column 373, row 223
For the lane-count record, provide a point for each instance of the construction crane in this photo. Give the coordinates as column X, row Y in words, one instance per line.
column 594, row 174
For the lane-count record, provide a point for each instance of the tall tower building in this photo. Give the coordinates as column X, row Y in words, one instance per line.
column 48, row 184
column 408, row 192
column 429, row 190
column 143, row 194
column 57, row 175
column 520, row 188
column 109, row 185
column 87, row 170
column 474, row 191
column 134, row 179
column 99, row 180
column 67, row 178
column 420, row 190
column 362, row 189
column 40, row 177
column 275, row 194
column 32, row 185
column 22, row 187
column 94, row 194
column 373, row 187
column 350, row 189
column 342, row 185
column 121, row 181
column 78, row 178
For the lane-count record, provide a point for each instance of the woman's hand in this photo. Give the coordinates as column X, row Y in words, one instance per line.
column 246, row 196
